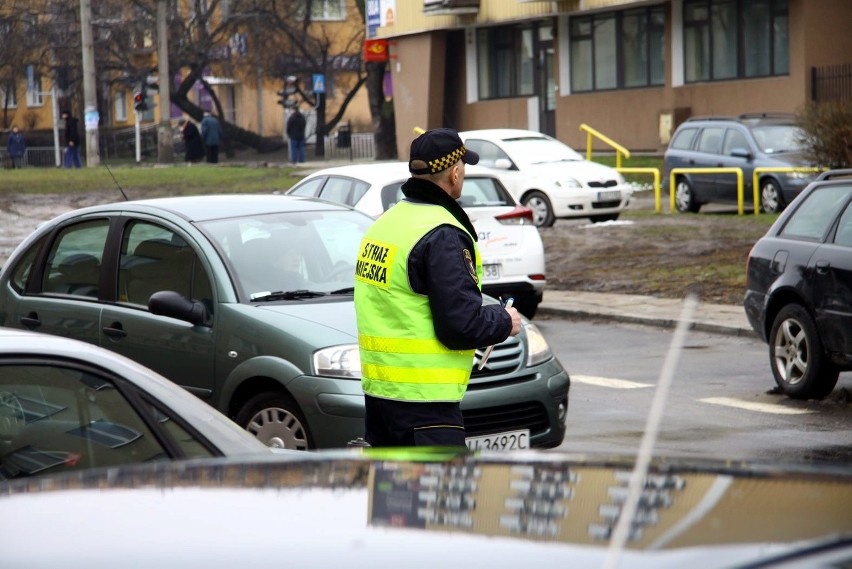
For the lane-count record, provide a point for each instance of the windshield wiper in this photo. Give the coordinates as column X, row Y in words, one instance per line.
column 285, row 295
column 347, row 290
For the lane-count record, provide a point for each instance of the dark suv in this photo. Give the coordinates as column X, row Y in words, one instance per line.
column 799, row 297
column 748, row 141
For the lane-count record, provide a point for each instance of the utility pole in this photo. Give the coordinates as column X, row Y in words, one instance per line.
column 165, row 139
column 90, row 95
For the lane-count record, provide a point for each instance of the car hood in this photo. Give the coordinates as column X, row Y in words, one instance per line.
column 376, row 508
column 336, row 314
column 583, row 171
column 786, row 159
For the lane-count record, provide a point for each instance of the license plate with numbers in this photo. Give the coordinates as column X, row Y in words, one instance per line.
column 609, row 196
column 490, row 272
column 510, row 440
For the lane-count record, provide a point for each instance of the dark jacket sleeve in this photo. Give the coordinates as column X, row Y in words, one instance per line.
column 438, row 268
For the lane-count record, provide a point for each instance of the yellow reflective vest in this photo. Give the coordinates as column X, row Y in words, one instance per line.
column 401, row 357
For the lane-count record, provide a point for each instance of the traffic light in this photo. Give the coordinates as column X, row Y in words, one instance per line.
column 140, row 99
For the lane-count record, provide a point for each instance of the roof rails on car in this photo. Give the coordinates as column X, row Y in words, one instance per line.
column 831, row 174
column 710, row 118
column 770, row 115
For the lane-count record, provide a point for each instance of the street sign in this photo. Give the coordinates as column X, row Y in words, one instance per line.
column 319, row 83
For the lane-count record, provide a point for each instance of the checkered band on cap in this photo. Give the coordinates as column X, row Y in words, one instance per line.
column 445, row 162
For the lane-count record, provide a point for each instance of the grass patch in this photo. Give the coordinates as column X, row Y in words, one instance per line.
column 177, row 180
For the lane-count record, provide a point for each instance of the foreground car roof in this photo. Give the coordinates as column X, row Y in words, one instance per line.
column 208, row 207
column 348, row 509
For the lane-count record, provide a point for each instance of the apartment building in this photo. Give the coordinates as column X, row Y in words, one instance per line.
column 631, row 69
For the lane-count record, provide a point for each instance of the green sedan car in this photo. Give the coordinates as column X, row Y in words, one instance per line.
column 247, row 302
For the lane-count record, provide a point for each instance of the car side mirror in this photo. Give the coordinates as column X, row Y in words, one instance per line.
column 503, row 164
column 741, row 153
column 175, row 305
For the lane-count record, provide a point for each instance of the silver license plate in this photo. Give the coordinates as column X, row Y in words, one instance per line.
column 490, row 272
column 510, row 440
column 609, row 196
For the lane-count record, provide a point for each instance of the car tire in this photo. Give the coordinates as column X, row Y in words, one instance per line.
column 685, row 197
column 771, row 198
column 798, row 361
column 602, row 218
column 527, row 304
column 541, row 208
column 275, row 419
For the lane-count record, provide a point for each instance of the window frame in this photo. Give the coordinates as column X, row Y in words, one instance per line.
column 651, row 30
column 701, row 36
column 505, row 43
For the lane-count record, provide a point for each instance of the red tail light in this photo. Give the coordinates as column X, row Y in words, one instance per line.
column 521, row 215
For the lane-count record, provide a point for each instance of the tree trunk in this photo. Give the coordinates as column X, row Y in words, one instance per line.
column 381, row 112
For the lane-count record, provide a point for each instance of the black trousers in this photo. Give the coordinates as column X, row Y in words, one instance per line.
column 212, row 154
column 392, row 423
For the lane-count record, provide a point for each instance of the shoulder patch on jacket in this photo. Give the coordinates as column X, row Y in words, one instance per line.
column 471, row 268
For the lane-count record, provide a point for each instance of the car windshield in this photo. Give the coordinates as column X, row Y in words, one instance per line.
column 292, row 255
column 778, row 138
column 540, row 151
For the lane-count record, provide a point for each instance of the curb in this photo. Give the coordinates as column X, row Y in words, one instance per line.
column 666, row 323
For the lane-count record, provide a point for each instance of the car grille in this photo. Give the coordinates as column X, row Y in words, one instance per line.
column 530, row 415
column 603, row 184
column 505, row 357
column 606, row 204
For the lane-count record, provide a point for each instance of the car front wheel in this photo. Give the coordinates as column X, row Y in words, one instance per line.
column 541, row 208
column 799, row 365
column 275, row 419
column 685, row 197
column 771, row 198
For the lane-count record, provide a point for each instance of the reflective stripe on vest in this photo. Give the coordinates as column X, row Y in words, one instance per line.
column 401, row 358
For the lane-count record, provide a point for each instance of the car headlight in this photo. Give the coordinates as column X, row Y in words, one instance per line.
column 338, row 361
column 538, row 350
column 569, row 184
column 801, row 175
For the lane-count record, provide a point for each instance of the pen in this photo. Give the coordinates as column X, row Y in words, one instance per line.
column 490, row 348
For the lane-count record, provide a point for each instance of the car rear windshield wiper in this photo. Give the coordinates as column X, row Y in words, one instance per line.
column 285, row 295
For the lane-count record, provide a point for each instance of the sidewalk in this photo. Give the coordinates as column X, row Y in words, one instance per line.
column 647, row 310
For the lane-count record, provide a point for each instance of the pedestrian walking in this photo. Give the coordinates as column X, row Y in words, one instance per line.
column 211, row 133
column 72, row 140
column 16, row 147
column 296, row 135
column 418, row 303
column 192, row 143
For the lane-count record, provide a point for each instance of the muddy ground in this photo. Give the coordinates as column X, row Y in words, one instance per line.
column 642, row 253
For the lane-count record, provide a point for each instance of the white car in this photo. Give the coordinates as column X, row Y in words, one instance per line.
column 511, row 247
column 549, row 177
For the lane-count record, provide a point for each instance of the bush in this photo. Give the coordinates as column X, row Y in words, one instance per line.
column 828, row 133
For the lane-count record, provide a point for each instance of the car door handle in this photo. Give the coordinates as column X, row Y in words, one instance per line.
column 822, row 267
column 31, row 320
column 115, row 331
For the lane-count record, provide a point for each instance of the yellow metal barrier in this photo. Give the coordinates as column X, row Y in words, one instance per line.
column 656, row 173
column 737, row 171
column 758, row 171
column 619, row 150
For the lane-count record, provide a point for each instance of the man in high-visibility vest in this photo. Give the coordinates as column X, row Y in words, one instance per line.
column 418, row 302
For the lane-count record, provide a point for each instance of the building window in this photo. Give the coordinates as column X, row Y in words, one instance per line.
column 506, row 63
column 323, row 10
column 618, row 50
column 8, row 97
column 729, row 39
column 35, row 98
column 120, row 106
